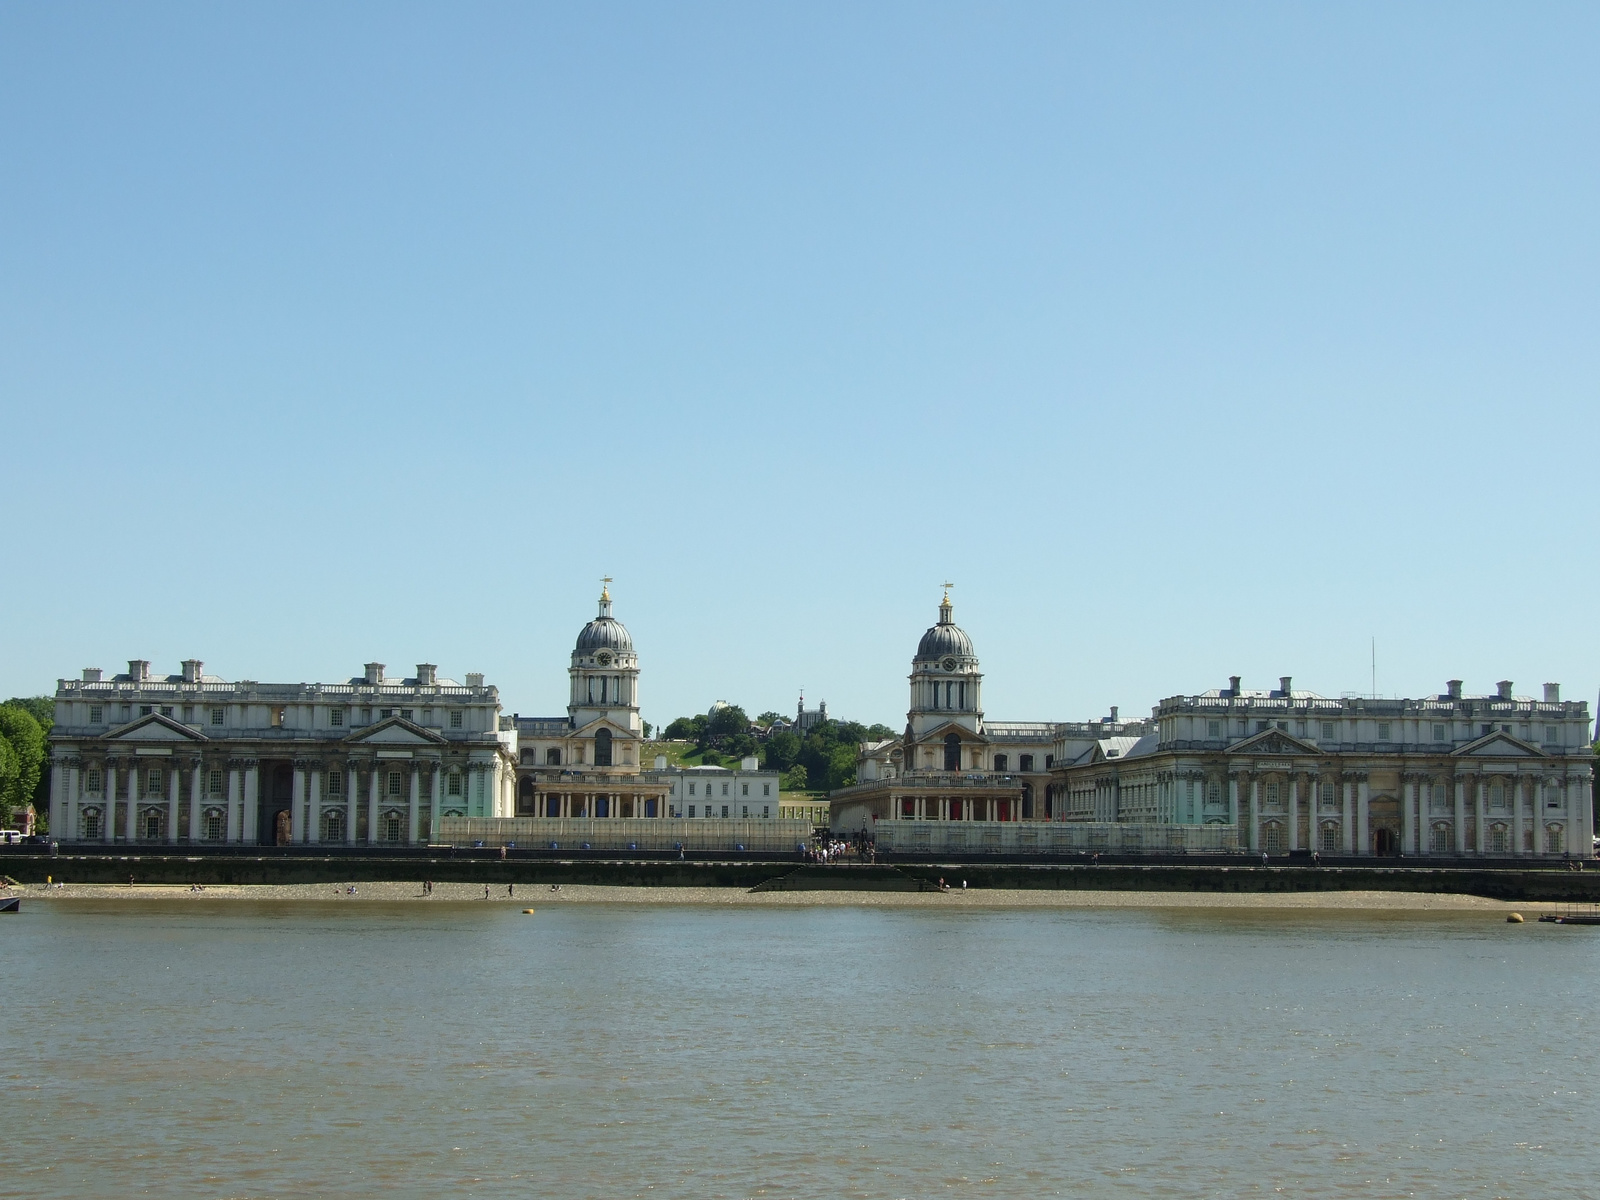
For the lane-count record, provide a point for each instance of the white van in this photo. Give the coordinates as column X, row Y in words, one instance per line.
column 10, row 837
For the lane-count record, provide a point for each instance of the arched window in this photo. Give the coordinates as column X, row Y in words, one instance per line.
column 1330, row 837
column 1272, row 837
column 332, row 825
column 1439, row 841
column 952, row 752
column 152, row 826
column 602, row 748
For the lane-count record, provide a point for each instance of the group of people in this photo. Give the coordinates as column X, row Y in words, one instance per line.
column 837, row 849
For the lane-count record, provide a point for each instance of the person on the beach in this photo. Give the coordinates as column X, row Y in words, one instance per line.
column 511, row 890
column 486, row 891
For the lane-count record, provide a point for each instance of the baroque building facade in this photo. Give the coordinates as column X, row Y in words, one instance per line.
column 1452, row 774
column 1285, row 771
column 193, row 758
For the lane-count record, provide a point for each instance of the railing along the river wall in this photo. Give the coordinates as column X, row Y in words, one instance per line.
column 1051, row 837
column 627, row 833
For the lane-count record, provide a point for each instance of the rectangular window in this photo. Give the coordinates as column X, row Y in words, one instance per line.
column 405, row 714
column 188, row 714
column 1261, row 726
column 1327, row 795
column 724, row 789
column 724, row 811
column 1438, row 733
column 1383, row 731
column 1214, row 729
column 455, row 720
column 214, row 783
column 166, row 710
column 336, row 717
column 452, row 787
column 366, row 716
column 691, row 810
column 335, row 783
column 744, row 811
column 152, row 781
column 1283, row 727
column 766, row 789
column 96, row 714
column 217, row 716
column 691, row 789
column 766, row 811
column 385, row 713
column 91, row 781
column 394, row 783
column 1327, row 731
column 745, row 789
column 1214, row 794
column 427, row 716
column 145, row 710
column 1552, row 734
column 1272, row 793
column 1300, row 729
column 127, row 711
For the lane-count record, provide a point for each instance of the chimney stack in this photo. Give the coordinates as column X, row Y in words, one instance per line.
column 427, row 674
column 1233, row 685
column 1113, row 714
column 474, row 679
column 91, row 674
column 1504, row 687
column 374, row 673
column 1283, row 684
column 191, row 670
column 138, row 670
column 1552, row 693
column 1454, row 688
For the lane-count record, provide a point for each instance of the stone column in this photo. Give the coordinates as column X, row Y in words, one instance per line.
column 197, row 791
column 68, row 830
column 1480, row 814
column 173, row 773
column 1313, row 812
column 134, row 784
column 57, row 812
column 1408, row 788
column 372, row 804
column 1580, row 839
column 1347, row 816
column 1461, row 814
column 1233, row 799
column 1363, row 833
column 352, row 792
column 108, row 825
column 1292, row 782
column 235, row 803
column 436, row 799
column 314, row 807
column 414, row 807
column 252, row 802
column 1518, row 787
column 297, row 804
column 1255, row 814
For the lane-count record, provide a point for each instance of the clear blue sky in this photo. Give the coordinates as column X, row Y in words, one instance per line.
column 1188, row 340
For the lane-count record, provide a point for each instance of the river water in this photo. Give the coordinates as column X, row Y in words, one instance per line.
column 231, row 1049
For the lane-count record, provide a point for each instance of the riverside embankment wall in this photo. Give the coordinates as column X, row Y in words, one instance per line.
column 1552, row 884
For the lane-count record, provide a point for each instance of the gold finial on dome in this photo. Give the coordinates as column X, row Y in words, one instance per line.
column 605, row 588
column 947, row 587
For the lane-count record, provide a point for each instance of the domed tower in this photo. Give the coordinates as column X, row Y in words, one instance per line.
column 605, row 678
column 946, row 685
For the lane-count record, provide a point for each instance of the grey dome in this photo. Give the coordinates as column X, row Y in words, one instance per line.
column 605, row 633
column 945, row 639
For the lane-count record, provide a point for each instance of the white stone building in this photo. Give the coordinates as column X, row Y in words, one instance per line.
column 1493, row 775
column 193, row 758
column 743, row 793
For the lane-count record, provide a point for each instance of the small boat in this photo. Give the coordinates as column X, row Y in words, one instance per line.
column 10, row 904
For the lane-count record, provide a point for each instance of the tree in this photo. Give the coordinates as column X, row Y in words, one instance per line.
column 766, row 719
column 782, row 751
column 685, row 729
column 646, row 728
column 726, row 724
column 793, row 780
column 26, row 741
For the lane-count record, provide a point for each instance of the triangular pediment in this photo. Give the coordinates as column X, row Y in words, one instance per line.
column 396, row 731
column 156, row 728
column 939, row 732
column 1273, row 742
column 1498, row 745
column 599, row 723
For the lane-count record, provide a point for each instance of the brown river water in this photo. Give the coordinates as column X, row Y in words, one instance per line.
column 243, row 1049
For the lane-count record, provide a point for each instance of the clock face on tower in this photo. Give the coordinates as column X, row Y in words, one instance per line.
column 603, row 659
column 949, row 664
